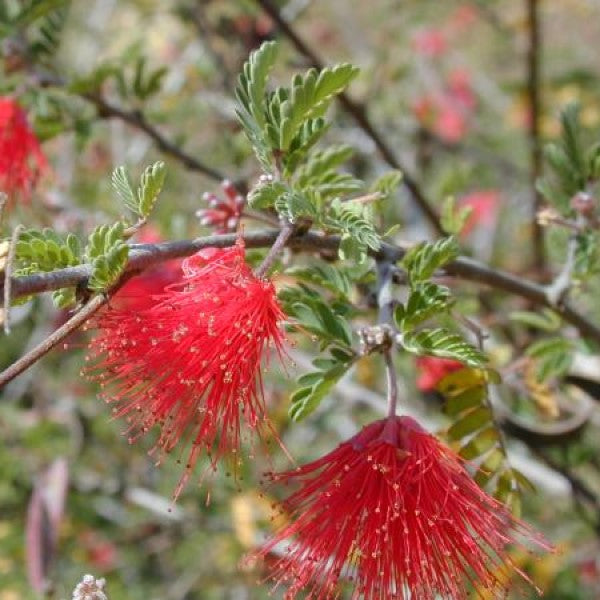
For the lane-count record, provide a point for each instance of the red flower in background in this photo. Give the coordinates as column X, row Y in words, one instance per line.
column 484, row 205
column 451, row 123
column 190, row 362
column 447, row 113
column 460, row 88
column 394, row 511
column 430, row 42
column 21, row 158
column 433, row 369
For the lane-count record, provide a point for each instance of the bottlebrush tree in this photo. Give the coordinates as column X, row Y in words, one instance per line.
column 183, row 338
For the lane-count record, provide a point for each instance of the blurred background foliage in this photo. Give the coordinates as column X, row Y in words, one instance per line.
column 446, row 83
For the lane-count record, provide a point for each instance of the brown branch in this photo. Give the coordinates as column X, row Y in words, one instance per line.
column 535, row 147
column 143, row 256
column 136, row 119
column 358, row 113
column 76, row 321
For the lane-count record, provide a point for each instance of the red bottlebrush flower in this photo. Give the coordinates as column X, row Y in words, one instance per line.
column 223, row 215
column 190, row 362
column 140, row 291
column 21, row 158
column 393, row 511
column 433, row 369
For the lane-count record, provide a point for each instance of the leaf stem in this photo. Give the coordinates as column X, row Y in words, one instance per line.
column 284, row 235
column 392, row 382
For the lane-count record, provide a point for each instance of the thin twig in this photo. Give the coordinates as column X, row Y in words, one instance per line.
column 136, row 119
column 392, row 383
column 359, row 113
column 385, row 297
column 282, row 239
column 385, row 302
column 557, row 291
column 535, row 147
column 3, row 203
column 367, row 198
column 474, row 328
column 76, row 321
column 143, row 256
column 8, row 267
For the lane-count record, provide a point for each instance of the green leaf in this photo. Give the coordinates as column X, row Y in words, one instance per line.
column 481, row 443
column 309, row 97
column 554, row 356
column 571, row 140
column 64, row 298
column 453, row 219
column 355, row 222
column 387, row 183
column 151, row 183
column 489, row 467
column 122, row 187
column 107, row 252
column 265, row 194
column 47, row 250
column 444, row 344
column 292, row 205
column 425, row 301
column 251, row 97
column 324, row 161
column 464, row 401
column 316, row 385
column 587, row 255
column 107, row 269
column 316, row 315
column 422, row 260
column 569, row 166
column 469, row 423
column 545, row 319
column 334, row 279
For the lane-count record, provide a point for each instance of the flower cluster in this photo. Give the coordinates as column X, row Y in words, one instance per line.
column 393, row 512
column 223, row 214
column 21, row 158
column 90, row 588
column 189, row 362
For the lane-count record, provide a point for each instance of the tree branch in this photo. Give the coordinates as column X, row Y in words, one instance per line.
column 358, row 113
column 143, row 256
column 136, row 119
column 535, row 147
column 76, row 321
